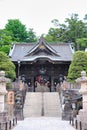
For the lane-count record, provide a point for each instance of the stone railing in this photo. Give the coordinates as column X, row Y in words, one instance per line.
column 69, row 96
column 80, row 122
column 73, row 86
column 8, row 125
column 20, row 90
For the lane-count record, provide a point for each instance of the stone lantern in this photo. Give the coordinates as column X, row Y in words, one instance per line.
column 82, row 116
column 3, row 91
column 83, row 90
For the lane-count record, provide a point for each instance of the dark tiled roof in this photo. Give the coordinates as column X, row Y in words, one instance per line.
column 19, row 51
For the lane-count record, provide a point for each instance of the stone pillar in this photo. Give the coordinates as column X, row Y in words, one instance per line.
column 3, row 90
column 82, row 116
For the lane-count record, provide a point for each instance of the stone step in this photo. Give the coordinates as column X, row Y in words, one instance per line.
column 33, row 104
column 38, row 104
column 52, row 106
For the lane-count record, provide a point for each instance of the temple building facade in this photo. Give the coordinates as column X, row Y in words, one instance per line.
column 41, row 62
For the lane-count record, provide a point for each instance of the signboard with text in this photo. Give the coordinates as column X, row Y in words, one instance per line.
column 10, row 98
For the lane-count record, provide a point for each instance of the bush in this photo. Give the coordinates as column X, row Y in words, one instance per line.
column 7, row 66
column 78, row 64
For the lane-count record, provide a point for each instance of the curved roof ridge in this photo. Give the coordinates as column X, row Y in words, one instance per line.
column 42, row 41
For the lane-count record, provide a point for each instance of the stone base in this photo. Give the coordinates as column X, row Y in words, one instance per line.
column 4, row 117
column 81, row 119
column 83, row 115
column 4, row 125
column 67, row 115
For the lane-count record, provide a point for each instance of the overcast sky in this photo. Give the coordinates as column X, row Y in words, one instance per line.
column 37, row 14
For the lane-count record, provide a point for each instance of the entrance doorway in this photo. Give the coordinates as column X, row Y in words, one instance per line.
column 42, row 83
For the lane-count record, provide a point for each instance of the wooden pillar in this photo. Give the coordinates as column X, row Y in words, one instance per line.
column 52, row 81
column 32, row 81
column 52, row 84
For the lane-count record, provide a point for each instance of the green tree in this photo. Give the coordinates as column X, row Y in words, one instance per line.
column 82, row 43
column 75, row 29
column 52, row 35
column 52, row 32
column 5, row 41
column 72, row 29
column 60, row 31
column 7, row 66
column 17, row 30
column 48, row 38
column 78, row 64
column 31, row 36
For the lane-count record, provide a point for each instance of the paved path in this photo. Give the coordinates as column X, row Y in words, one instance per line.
column 43, row 123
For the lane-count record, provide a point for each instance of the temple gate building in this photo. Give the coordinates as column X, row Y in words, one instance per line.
column 41, row 62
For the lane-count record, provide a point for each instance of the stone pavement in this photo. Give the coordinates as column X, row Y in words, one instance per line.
column 43, row 123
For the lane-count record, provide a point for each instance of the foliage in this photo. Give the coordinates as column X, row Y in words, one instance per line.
column 78, row 64
column 5, row 48
column 71, row 30
column 52, row 35
column 5, row 41
column 82, row 43
column 49, row 38
column 7, row 66
column 75, row 29
column 17, row 30
column 31, row 36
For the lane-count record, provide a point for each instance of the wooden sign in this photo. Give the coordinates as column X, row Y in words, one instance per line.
column 10, row 97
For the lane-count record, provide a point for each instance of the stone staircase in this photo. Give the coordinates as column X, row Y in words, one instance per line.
column 33, row 104
column 42, row 104
column 52, row 107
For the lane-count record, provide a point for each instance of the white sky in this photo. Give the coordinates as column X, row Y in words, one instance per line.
column 37, row 14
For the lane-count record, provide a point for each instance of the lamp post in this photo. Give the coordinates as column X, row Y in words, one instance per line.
column 18, row 69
